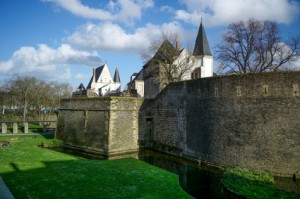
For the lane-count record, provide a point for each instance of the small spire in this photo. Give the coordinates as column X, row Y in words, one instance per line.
column 201, row 45
column 117, row 76
column 81, row 87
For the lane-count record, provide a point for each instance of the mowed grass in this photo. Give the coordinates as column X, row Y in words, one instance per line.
column 254, row 184
column 33, row 172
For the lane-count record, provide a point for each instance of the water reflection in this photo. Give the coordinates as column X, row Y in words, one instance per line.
column 200, row 182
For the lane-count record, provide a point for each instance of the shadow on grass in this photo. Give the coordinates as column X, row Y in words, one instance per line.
column 35, row 127
column 123, row 178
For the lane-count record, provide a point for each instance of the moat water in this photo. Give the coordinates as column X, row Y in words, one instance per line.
column 200, row 181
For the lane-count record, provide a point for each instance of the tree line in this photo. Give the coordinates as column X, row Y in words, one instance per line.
column 24, row 95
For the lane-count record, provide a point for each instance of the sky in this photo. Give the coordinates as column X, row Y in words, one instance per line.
column 62, row 40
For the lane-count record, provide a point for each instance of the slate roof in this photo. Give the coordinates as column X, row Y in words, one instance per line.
column 98, row 73
column 201, row 45
column 81, row 87
column 117, row 76
column 90, row 84
column 138, row 76
column 166, row 50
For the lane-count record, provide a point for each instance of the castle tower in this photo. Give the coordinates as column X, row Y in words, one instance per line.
column 117, row 76
column 117, row 81
column 203, row 54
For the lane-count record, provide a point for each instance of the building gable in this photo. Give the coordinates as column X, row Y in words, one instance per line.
column 103, row 75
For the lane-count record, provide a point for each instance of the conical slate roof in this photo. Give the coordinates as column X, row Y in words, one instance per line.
column 117, row 76
column 201, row 45
column 81, row 87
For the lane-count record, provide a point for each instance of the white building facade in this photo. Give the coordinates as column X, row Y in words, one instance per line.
column 102, row 82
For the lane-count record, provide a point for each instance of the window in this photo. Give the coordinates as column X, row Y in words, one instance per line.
column 238, row 91
column 216, row 92
column 140, row 88
column 295, row 90
column 265, row 90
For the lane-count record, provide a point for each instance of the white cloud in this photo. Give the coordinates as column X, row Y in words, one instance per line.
column 167, row 9
column 110, row 36
column 295, row 65
column 81, row 76
column 66, row 74
column 43, row 61
column 120, row 10
column 81, row 50
column 221, row 12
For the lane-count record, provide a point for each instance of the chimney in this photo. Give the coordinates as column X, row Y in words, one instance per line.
column 177, row 45
column 94, row 75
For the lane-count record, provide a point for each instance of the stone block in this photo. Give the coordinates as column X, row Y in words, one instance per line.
column 25, row 127
column 15, row 127
column 3, row 128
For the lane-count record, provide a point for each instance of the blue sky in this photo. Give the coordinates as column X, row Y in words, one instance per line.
column 62, row 40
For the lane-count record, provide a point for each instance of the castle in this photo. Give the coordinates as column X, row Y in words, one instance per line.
column 101, row 84
column 248, row 120
column 150, row 80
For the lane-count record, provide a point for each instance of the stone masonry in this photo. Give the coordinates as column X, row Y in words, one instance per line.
column 106, row 125
column 250, row 121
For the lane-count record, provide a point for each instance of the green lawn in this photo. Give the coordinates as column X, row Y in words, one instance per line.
column 254, row 184
column 33, row 172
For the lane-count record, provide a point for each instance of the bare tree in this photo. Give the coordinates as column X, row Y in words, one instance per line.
column 165, row 61
column 42, row 97
column 24, row 89
column 173, row 38
column 173, row 64
column 4, row 97
column 255, row 46
column 36, row 94
column 64, row 90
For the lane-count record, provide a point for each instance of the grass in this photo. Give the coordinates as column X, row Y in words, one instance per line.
column 254, row 184
column 33, row 172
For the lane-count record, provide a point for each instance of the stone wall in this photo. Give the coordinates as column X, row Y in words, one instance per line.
column 106, row 125
column 250, row 121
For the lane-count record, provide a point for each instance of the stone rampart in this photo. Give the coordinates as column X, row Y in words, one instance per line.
column 106, row 125
column 249, row 121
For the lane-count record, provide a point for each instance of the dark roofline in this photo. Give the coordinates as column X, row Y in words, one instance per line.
column 98, row 72
column 137, row 77
column 81, row 86
column 201, row 45
column 117, row 76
